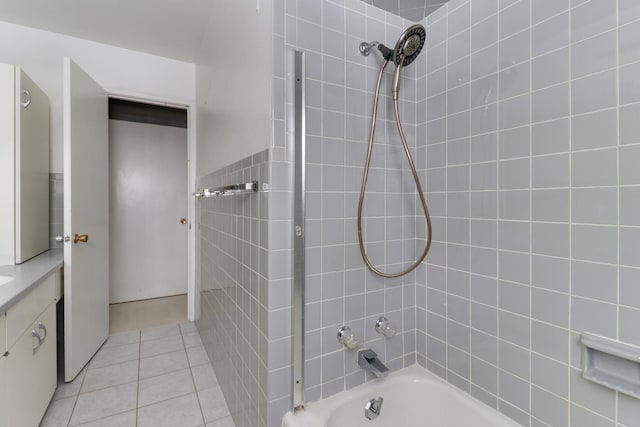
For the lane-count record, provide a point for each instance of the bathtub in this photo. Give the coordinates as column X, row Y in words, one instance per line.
column 413, row 397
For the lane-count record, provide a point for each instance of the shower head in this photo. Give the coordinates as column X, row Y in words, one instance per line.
column 409, row 45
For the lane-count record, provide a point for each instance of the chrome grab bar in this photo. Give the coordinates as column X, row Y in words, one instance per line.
column 228, row 190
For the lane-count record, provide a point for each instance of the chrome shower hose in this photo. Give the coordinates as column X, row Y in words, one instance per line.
column 413, row 171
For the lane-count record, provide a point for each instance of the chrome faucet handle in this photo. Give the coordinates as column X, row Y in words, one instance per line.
column 384, row 327
column 347, row 338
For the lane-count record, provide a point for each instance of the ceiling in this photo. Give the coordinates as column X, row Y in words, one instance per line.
column 170, row 28
column 413, row 10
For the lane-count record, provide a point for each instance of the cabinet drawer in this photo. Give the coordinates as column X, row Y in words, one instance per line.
column 31, row 372
column 21, row 315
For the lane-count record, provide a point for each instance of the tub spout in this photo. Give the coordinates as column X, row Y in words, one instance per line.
column 369, row 361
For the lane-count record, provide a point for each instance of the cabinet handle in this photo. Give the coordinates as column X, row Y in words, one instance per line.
column 44, row 329
column 36, row 335
column 27, row 96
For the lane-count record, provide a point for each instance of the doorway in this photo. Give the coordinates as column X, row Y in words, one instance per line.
column 148, row 211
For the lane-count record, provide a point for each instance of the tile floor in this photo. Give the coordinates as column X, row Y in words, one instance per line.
column 134, row 315
column 157, row 377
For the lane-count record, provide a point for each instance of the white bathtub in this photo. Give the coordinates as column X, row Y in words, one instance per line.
column 413, row 397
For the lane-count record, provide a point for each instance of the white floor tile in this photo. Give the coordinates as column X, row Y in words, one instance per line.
column 187, row 327
column 204, row 377
column 213, row 404
column 192, row 339
column 116, row 354
column 160, row 332
column 163, row 364
column 103, row 403
column 109, row 376
column 197, row 356
column 149, row 313
column 123, row 338
column 224, row 422
column 70, row 389
column 156, row 371
column 182, row 411
column 162, row 345
column 59, row 412
column 126, row 419
column 163, row 387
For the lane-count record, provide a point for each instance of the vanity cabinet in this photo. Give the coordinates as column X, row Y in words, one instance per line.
column 24, row 167
column 4, row 409
column 30, row 366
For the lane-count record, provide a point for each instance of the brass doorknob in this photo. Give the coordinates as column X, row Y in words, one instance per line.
column 84, row 238
column 183, row 220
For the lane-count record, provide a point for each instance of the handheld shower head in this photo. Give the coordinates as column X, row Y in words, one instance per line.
column 409, row 45
column 407, row 48
column 405, row 52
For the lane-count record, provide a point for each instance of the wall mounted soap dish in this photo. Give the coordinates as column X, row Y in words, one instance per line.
column 610, row 363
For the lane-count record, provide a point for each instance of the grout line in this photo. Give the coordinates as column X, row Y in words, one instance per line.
column 195, row 389
column 75, row 403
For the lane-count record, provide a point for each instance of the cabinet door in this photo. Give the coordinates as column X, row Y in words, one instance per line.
column 32, row 175
column 4, row 419
column 7, row 164
column 31, row 372
column 3, row 371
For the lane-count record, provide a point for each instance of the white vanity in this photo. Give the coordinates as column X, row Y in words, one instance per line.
column 28, row 374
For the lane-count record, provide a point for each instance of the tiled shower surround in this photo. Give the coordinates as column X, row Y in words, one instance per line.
column 522, row 116
column 532, row 172
column 340, row 291
column 244, row 312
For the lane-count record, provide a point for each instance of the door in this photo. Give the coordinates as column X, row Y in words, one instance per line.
column 86, row 216
column 148, row 210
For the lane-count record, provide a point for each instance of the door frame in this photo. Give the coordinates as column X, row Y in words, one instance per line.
column 190, row 107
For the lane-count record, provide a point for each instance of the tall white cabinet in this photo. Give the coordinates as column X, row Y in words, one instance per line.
column 24, row 167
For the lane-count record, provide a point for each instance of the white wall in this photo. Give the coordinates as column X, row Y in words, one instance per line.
column 233, row 84
column 40, row 54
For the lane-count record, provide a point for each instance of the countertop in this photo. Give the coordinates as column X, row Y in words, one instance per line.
column 27, row 276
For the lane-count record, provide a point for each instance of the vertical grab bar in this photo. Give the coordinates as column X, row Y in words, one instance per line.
column 298, row 232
